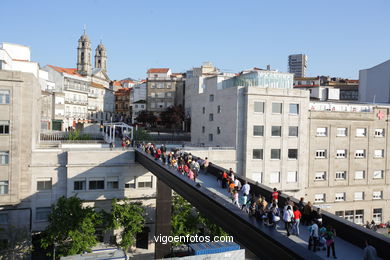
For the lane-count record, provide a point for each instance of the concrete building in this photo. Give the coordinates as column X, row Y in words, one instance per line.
column 297, row 64
column 162, row 88
column 260, row 115
column 122, row 105
column 374, row 83
column 348, row 159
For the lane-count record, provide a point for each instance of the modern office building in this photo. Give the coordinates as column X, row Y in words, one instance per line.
column 297, row 64
column 374, row 83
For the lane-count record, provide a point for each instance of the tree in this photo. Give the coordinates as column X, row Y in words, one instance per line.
column 146, row 117
column 141, row 135
column 127, row 216
column 173, row 117
column 17, row 244
column 71, row 228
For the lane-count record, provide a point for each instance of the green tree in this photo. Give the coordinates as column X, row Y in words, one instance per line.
column 146, row 117
column 71, row 228
column 17, row 244
column 141, row 135
column 128, row 217
column 173, row 117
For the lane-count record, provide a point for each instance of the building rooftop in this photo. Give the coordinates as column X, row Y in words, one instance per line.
column 158, row 70
column 70, row 71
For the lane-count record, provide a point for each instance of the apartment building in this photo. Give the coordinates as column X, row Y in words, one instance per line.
column 348, row 160
column 374, row 83
column 297, row 64
column 122, row 104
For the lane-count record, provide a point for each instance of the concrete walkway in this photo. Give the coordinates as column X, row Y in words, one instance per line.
column 344, row 250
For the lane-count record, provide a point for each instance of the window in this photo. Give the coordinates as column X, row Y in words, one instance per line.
column 341, row 131
column 203, row 129
column 379, row 132
column 259, row 107
column 258, row 130
column 293, row 131
column 349, row 215
column 42, row 214
column 276, row 131
column 379, row 153
column 3, row 187
column 219, row 109
column 4, row 96
column 4, row 127
column 277, row 108
column 168, row 94
column 293, row 154
column 168, row 85
column 211, row 117
column 378, row 175
column 320, row 176
column 203, row 110
column 319, row 197
column 291, row 176
column 294, row 109
column 341, row 175
column 112, row 183
column 211, row 137
column 377, row 195
column 360, row 132
column 274, row 177
column 130, row 184
column 4, row 157
column 79, row 185
column 258, row 176
column 145, row 182
column 339, row 213
column 320, row 153
column 322, row 131
column 359, row 216
column 218, row 130
column 258, row 154
column 44, row 184
column 3, row 218
column 359, row 195
column 275, row 154
column 359, row 175
column 359, row 154
column 211, row 98
column 341, row 153
column 339, row 196
column 377, row 216
column 96, row 184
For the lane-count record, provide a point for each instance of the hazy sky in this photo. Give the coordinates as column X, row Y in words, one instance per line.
column 339, row 36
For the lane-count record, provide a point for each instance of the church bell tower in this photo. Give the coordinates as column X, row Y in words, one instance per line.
column 84, row 66
column 101, row 57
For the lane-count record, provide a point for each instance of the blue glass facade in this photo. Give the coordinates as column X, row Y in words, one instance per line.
column 262, row 79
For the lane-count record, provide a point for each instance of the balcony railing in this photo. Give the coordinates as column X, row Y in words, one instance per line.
column 72, row 87
column 76, row 101
column 92, row 95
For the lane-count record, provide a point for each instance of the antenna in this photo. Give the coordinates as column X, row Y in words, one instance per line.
column 101, row 39
column 84, row 28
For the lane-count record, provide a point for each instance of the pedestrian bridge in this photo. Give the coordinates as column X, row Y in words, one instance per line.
column 265, row 242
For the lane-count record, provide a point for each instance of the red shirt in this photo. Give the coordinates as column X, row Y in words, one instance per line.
column 275, row 195
column 297, row 214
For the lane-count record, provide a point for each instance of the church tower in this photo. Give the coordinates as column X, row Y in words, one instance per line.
column 84, row 66
column 101, row 57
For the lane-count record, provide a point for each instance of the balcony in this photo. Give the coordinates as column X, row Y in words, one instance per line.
column 92, row 95
column 78, row 89
column 92, row 107
column 76, row 101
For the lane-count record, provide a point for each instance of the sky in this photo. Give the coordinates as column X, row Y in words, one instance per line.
column 339, row 37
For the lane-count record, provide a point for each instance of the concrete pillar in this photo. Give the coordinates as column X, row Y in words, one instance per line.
column 163, row 218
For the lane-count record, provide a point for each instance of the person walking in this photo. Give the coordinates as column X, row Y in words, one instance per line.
column 245, row 192
column 205, row 165
column 313, row 238
column 369, row 252
column 288, row 216
column 297, row 219
column 329, row 236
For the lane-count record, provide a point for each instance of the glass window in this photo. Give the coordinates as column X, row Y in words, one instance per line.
column 259, row 107
column 258, row 130
column 379, row 153
column 146, row 182
column 360, row 132
column 349, row 215
column 359, row 175
column 219, row 109
column 211, row 117
column 79, row 185
column 341, row 175
column 292, row 176
column 258, row 154
column 131, row 183
column 4, row 96
column 319, row 197
column 211, row 98
column 341, row 131
column 377, row 216
column 359, row 195
column 339, row 213
column 339, row 196
column 322, row 131
column 320, row 176
column 293, row 154
column 359, row 154
column 294, row 109
column 42, row 214
column 96, row 184
column 218, row 130
column 274, row 177
column 293, row 131
column 276, row 131
column 4, row 127
column 3, row 187
column 359, row 216
column 113, row 183
column 44, row 184
column 211, row 137
column 379, row 132
column 277, row 108
column 377, row 195
column 275, row 154
column 341, row 153
column 203, row 129
column 378, row 174
column 320, row 153
column 4, row 157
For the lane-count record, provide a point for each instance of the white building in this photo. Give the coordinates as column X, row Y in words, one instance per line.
column 297, row 64
column 374, row 83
